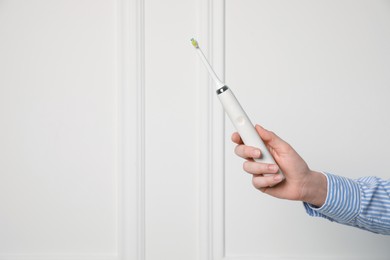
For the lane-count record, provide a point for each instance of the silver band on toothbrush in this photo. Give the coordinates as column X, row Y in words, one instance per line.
column 221, row 90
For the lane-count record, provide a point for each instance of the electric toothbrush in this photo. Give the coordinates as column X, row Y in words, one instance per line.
column 237, row 114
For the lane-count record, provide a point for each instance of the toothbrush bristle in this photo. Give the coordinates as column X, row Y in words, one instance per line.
column 194, row 43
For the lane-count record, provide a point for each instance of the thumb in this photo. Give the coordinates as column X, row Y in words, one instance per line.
column 270, row 138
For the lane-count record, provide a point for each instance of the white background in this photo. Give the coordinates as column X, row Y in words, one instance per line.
column 317, row 74
column 113, row 146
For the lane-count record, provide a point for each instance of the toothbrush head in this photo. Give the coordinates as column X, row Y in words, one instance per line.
column 218, row 82
column 195, row 43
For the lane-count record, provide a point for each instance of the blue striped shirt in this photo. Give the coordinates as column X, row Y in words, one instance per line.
column 363, row 203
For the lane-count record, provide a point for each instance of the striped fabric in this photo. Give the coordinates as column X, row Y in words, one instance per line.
column 363, row 203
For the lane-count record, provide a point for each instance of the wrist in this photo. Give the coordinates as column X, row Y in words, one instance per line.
column 315, row 189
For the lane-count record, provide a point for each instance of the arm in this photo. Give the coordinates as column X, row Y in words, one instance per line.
column 364, row 203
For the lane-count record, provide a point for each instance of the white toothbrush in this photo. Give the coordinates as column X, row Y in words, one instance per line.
column 237, row 114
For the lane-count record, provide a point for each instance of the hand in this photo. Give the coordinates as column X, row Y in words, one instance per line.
column 300, row 182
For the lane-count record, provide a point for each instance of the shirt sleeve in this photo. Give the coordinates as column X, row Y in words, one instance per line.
column 363, row 203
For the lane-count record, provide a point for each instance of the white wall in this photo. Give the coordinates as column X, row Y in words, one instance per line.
column 113, row 146
column 59, row 123
column 317, row 74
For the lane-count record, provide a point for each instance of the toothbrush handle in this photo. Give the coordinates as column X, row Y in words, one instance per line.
column 243, row 124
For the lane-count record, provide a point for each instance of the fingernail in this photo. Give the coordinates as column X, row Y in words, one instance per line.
column 256, row 153
column 278, row 177
column 273, row 167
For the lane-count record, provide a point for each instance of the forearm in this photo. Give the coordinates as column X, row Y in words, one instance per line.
column 362, row 203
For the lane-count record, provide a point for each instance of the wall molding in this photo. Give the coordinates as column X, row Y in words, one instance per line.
column 131, row 96
column 211, row 34
column 58, row 257
column 218, row 14
column 281, row 257
column 205, row 102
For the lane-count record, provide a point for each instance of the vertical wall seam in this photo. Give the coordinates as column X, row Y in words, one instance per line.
column 205, row 98
column 131, row 140
column 141, row 126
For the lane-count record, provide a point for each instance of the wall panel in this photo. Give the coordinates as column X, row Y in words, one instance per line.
column 171, row 142
column 67, row 162
column 316, row 74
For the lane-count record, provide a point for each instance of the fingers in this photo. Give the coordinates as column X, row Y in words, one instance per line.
column 247, row 151
column 259, row 168
column 244, row 151
column 264, row 175
column 274, row 143
column 269, row 137
column 264, row 182
column 236, row 138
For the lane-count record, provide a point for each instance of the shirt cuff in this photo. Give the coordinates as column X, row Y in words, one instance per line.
column 342, row 202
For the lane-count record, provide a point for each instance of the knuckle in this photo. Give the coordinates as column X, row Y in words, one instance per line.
column 248, row 151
